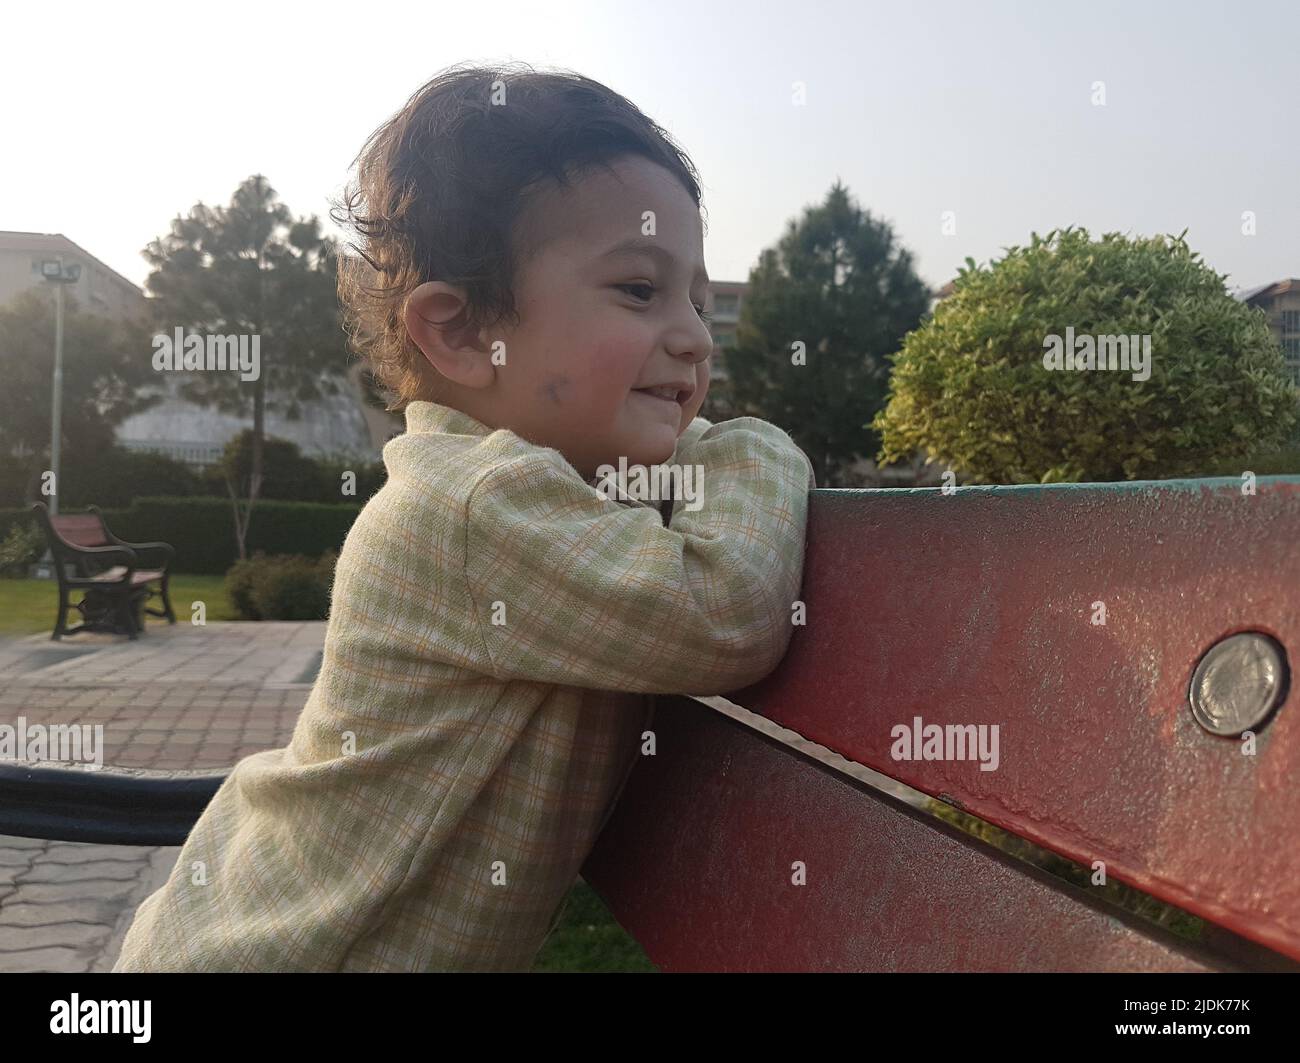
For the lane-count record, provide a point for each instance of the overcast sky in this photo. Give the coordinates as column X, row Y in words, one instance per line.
column 119, row 116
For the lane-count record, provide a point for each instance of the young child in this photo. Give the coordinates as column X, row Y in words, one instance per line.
column 498, row 622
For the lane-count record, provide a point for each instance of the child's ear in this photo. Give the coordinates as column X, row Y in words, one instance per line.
column 434, row 315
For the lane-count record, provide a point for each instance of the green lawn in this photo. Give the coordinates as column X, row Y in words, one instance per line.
column 29, row 606
column 588, row 939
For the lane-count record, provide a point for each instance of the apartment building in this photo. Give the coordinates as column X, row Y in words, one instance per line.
column 99, row 290
column 1281, row 301
column 334, row 426
column 724, row 302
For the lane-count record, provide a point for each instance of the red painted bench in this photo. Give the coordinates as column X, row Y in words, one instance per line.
column 732, row 851
column 729, row 850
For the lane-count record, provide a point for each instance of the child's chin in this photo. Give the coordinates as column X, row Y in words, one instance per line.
column 654, row 453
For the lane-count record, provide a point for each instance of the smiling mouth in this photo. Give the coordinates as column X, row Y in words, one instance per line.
column 668, row 393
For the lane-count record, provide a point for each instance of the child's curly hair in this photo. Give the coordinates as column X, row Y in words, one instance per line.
column 442, row 183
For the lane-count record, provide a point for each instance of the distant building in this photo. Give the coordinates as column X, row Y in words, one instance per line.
column 338, row 426
column 342, row 426
column 724, row 302
column 99, row 290
column 1281, row 301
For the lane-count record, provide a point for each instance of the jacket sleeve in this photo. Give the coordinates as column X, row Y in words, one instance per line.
column 569, row 587
column 687, row 440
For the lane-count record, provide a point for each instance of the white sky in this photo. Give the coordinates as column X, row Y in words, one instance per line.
column 119, row 116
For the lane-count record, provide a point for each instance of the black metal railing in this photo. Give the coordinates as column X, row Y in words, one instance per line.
column 108, row 805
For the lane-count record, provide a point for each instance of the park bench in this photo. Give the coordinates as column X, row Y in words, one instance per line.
column 1098, row 626
column 115, row 578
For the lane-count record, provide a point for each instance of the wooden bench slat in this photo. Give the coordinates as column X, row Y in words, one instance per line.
column 978, row 607
column 112, row 575
column 696, row 863
column 80, row 529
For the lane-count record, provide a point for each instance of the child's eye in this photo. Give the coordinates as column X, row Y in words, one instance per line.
column 644, row 287
column 705, row 316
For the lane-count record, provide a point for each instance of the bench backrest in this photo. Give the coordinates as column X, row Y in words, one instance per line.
column 80, row 529
column 1072, row 618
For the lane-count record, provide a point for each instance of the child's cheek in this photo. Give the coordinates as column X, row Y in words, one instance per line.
column 613, row 368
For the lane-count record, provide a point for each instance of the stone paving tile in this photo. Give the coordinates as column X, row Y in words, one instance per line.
column 56, row 960
column 93, row 911
column 89, row 852
column 76, row 935
column 48, row 892
column 181, row 697
column 121, row 870
column 216, row 653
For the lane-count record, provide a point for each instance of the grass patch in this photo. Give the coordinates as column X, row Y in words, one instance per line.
column 1175, row 920
column 588, row 939
column 30, row 606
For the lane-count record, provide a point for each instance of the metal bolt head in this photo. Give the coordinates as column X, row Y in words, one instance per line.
column 1239, row 681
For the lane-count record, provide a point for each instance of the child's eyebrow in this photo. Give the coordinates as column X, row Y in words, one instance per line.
column 639, row 245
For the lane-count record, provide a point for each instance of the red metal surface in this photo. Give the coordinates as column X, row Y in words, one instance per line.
column 977, row 608
column 698, row 858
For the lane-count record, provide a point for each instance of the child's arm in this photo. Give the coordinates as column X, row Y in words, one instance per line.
column 595, row 594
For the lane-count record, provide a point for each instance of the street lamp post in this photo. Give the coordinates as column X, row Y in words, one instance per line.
column 59, row 274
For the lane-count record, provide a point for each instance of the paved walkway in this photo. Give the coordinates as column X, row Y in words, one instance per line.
column 178, row 697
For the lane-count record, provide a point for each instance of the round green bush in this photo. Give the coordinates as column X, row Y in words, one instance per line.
column 240, row 580
column 971, row 387
column 292, row 590
column 281, row 587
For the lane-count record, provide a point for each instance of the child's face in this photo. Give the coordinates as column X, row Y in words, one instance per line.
column 597, row 328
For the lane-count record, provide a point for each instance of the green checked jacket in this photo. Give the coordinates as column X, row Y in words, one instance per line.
column 496, row 632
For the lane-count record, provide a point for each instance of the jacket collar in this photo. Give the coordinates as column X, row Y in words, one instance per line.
column 423, row 416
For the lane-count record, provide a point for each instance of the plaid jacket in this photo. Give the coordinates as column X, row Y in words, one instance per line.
column 497, row 629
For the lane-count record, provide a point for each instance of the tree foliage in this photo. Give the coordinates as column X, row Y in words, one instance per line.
column 971, row 387
column 824, row 309
column 105, row 366
column 251, row 268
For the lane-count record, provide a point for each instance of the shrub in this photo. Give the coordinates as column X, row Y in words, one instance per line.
column 1284, row 462
column 240, row 581
column 202, row 529
column 23, row 546
column 19, row 480
column 971, row 388
column 286, row 473
column 281, row 587
column 109, row 477
column 289, row 475
column 117, row 477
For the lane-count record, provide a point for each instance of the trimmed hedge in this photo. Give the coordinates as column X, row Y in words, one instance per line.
column 203, row 529
column 114, row 477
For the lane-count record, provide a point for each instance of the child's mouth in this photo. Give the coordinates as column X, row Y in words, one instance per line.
column 665, row 393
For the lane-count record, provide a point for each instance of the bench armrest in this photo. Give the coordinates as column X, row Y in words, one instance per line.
column 104, row 557
column 152, row 555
